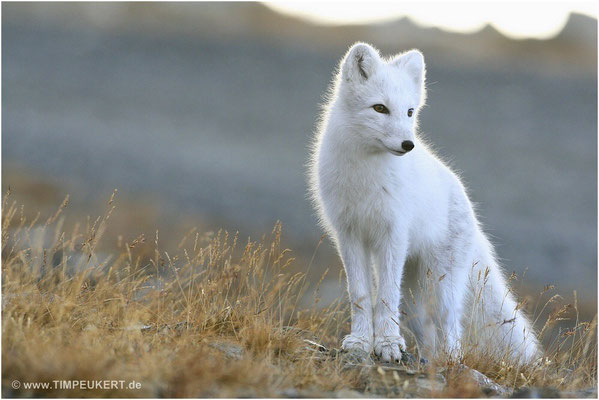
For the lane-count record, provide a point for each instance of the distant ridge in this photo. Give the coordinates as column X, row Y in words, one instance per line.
column 580, row 29
column 577, row 40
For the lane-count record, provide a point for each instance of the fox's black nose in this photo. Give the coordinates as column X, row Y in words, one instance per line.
column 407, row 145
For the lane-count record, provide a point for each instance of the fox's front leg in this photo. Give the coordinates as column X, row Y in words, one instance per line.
column 388, row 341
column 359, row 281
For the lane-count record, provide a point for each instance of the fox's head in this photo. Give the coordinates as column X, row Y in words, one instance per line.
column 381, row 97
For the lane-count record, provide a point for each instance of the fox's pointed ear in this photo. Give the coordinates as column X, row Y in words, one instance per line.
column 360, row 62
column 412, row 63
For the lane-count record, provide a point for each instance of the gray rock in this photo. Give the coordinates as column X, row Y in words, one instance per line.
column 536, row 393
column 428, row 384
column 292, row 393
column 588, row 393
column 488, row 386
column 354, row 358
column 397, row 380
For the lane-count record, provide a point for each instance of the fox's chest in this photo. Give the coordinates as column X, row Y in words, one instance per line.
column 361, row 202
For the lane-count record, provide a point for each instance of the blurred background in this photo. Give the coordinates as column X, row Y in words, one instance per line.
column 201, row 114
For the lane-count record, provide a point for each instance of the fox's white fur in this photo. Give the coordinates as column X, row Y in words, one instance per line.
column 403, row 224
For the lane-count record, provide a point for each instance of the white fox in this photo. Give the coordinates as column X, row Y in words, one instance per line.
column 402, row 222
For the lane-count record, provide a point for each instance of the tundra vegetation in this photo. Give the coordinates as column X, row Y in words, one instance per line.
column 221, row 317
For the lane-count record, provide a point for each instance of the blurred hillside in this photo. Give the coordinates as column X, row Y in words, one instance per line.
column 205, row 111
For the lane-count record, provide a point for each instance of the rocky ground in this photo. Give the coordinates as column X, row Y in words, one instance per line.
column 410, row 378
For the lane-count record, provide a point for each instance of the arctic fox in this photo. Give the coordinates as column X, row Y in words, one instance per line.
column 403, row 224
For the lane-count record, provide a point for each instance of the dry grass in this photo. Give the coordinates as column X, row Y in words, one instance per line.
column 140, row 314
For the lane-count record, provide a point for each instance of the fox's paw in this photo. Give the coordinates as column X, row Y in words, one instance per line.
column 389, row 348
column 355, row 342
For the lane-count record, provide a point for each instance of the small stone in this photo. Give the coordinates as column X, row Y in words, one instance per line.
column 231, row 350
column 347, row 394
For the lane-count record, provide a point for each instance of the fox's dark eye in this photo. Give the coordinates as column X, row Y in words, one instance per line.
column 410, row 112
column 379, row 108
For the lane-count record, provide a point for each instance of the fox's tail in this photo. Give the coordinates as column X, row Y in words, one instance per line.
column 497, row 323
